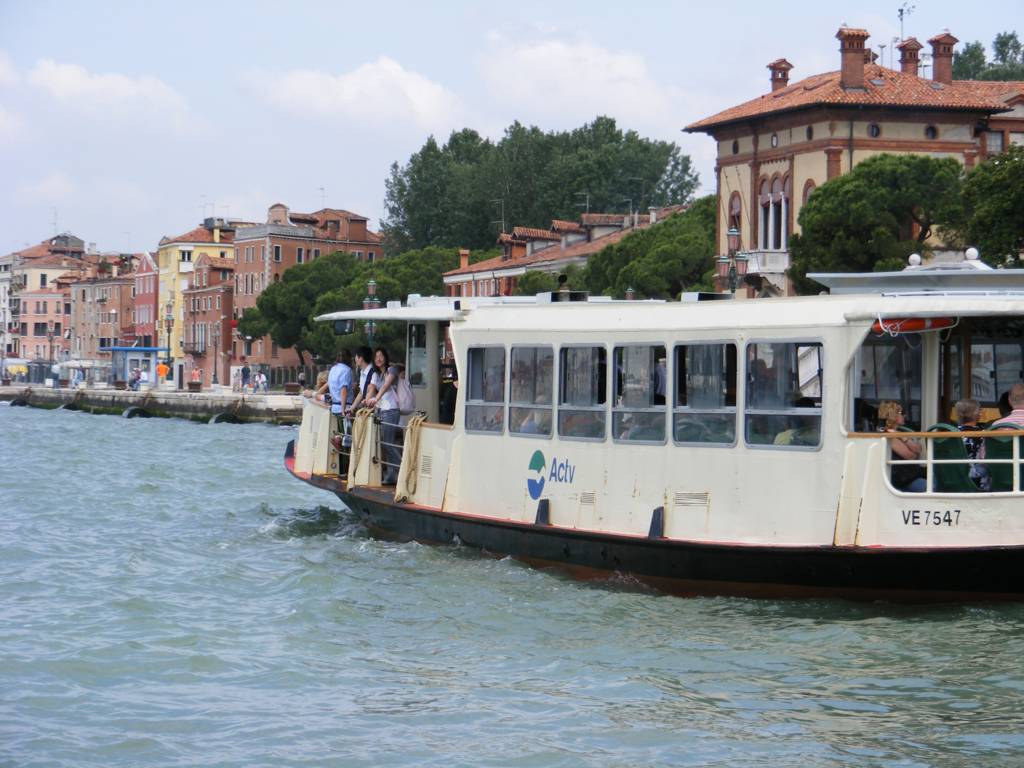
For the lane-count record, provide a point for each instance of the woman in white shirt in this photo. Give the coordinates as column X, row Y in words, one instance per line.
column 384, row 399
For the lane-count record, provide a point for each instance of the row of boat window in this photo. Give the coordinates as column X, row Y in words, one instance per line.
column 692, row 393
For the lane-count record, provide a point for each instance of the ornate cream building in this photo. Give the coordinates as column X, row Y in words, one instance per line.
column 773, row 151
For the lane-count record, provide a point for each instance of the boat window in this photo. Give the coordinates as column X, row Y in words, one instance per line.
column 582, row 392
column 641, row 379
column 532, row 383
column 887, row 368
column 705, row 394
column 416, row 368
column 783, row 395
column 485, row 395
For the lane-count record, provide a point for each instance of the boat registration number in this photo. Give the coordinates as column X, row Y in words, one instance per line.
column 933, row 517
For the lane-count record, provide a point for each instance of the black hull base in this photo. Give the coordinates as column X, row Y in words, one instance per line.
column 692, row 568
column 917, row 575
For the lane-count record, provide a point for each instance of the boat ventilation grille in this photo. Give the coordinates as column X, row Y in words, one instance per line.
column 691, row 499
column 588, row 498
column 426, row 465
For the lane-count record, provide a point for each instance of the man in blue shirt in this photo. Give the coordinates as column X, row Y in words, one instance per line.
column 339, row 384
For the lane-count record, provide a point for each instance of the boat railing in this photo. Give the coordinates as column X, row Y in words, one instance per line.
column 947, row 467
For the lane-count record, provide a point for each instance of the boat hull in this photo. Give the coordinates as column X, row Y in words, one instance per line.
column 685, row 567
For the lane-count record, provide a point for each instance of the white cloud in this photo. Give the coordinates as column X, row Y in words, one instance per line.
column 379, row 92
column 8, row 75
column 558, row 80
column 11, row 125
column 55, row 187
column 143, row 98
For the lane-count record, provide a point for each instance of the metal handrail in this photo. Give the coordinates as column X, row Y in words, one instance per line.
column 929, row 460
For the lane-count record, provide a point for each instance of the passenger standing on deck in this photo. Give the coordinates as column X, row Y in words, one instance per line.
column 385, row 401
column 339, row 384
column 905, row 477
column 363, row 356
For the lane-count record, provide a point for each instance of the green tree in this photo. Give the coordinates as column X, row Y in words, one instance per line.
column 662, row 261
column 969, row 62
column 453, row 195
column 993, row 195
column 875, row 216
column 1007, row 60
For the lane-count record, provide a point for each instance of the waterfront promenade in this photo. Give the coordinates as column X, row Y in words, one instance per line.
column 219, row 404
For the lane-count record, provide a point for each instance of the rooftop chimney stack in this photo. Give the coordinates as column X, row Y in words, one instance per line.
column 851, row 49
column 780, row 73
column 909, row 59
column 942, row 57
column 463, row 258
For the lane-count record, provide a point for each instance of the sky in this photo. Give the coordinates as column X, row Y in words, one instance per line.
column 122, row 122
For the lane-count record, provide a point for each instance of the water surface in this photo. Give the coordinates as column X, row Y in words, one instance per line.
column 169, row 596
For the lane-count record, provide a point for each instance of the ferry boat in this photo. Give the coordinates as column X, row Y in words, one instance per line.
column 711, row 447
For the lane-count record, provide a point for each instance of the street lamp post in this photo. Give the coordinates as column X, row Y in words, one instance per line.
column 732, row 268
column 372, row 301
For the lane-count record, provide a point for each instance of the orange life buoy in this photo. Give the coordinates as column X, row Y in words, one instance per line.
column 895, row 325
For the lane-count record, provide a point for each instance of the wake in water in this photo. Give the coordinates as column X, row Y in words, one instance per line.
column 308, row 523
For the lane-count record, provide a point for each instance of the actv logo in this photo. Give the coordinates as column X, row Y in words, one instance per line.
column 535, row 485
column 561, row 472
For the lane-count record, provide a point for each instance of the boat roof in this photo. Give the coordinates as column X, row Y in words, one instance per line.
column 962, row 276
column 602, row 315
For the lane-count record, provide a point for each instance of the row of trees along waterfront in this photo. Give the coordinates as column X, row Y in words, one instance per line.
column 461, row 193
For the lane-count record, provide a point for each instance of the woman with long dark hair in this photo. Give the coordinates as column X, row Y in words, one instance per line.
column 385, row 400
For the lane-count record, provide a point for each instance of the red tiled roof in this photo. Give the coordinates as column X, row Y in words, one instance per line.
column 603, row 219
column 883, row 87
column 555, row 253
column 530, row 233
column 200, row 235
column 558, row 225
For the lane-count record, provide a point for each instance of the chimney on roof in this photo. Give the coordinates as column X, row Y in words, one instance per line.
column 942, row 57
column 851, row 49
column 780, row 73
column 463, row 258
column 277, row 214
column 870, row 57
column 909, row 58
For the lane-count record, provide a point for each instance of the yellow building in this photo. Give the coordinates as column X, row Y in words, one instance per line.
column 175, row 260
column 773, row 151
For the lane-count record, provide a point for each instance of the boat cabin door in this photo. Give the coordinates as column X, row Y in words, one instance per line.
column 425, row 344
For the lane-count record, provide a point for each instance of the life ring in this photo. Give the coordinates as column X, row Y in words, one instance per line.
column 897, row 325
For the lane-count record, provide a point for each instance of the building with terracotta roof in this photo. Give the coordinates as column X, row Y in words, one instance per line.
column 176, row 258
column 100, row 315
column 265, row 251
column 209, row 312
column 774, row 150
column 31, row 268
column 550, row 250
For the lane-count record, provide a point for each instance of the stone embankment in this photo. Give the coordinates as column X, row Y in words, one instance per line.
column 199, row 406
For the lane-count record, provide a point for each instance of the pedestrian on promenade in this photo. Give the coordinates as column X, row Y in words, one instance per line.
column 246, row 373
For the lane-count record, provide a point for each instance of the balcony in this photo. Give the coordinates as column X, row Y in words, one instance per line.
column 194, row 349
column 768, row 265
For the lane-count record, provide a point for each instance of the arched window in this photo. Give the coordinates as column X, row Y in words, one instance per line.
column 765, row 200
column 809, row 187
column 735, row 211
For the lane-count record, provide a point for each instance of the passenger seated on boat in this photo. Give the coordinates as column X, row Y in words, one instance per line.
column 1016, row 417
column 905, row 477
column 967, row 411
column 801, row 430
column 481, row 418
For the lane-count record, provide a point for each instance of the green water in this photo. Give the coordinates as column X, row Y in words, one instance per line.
column 169, row 596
